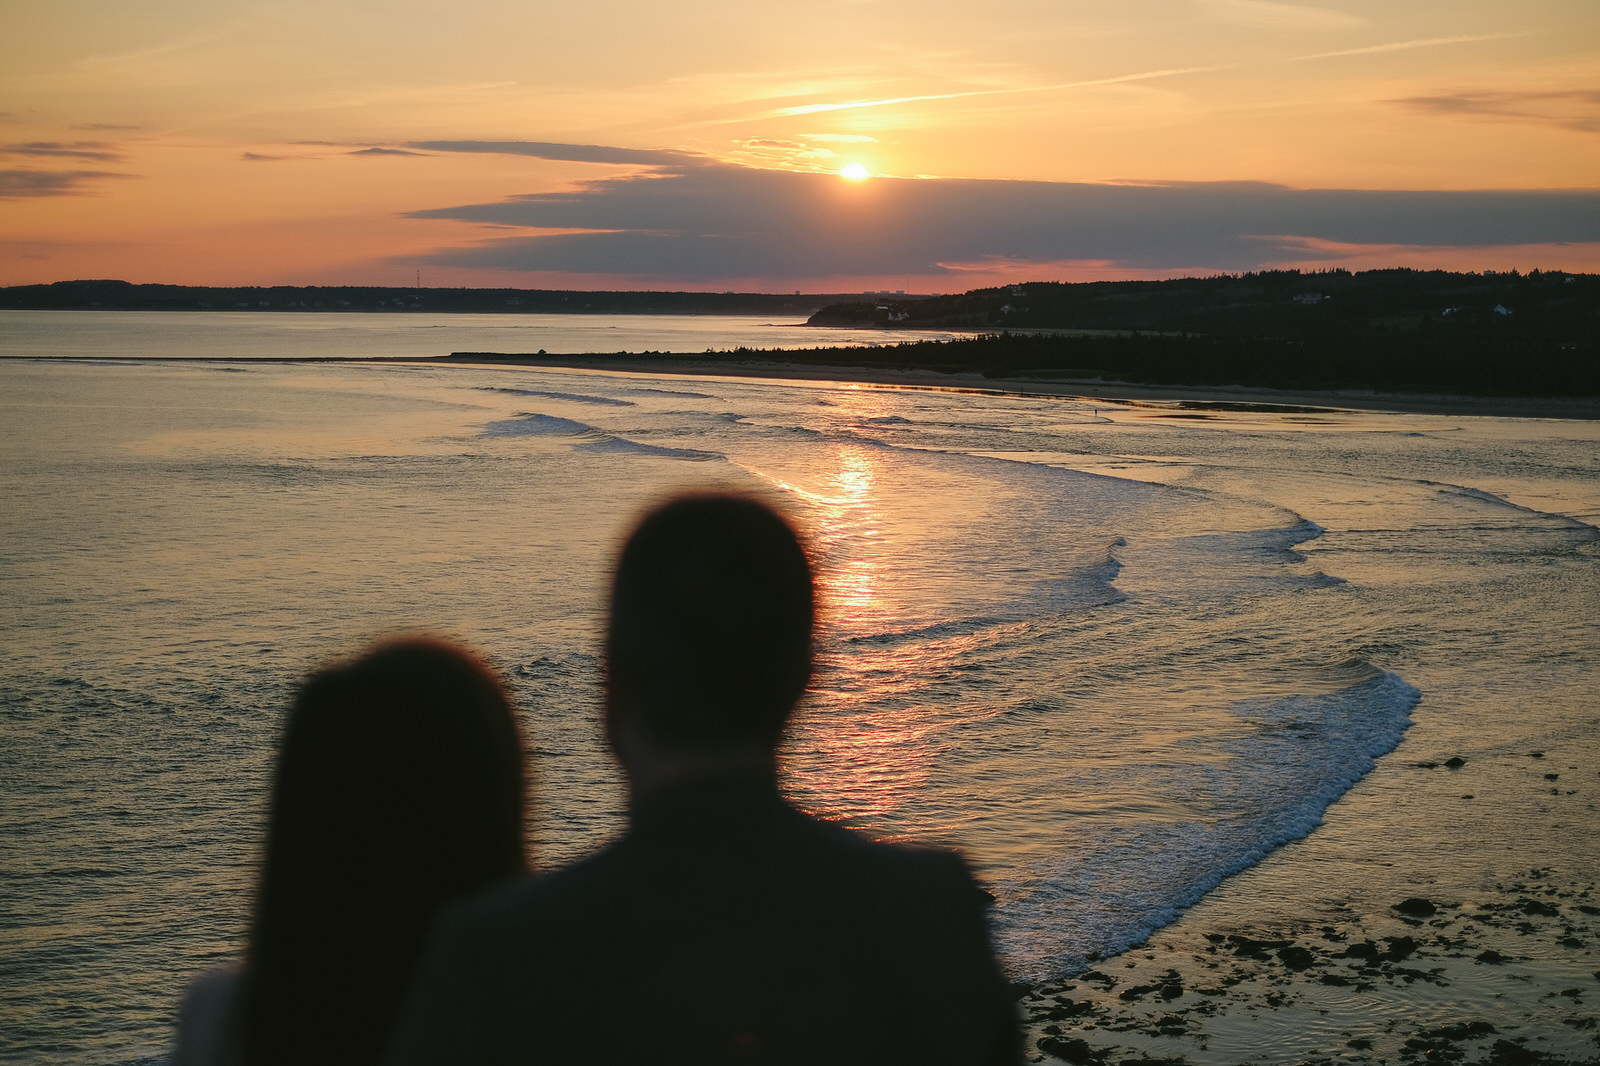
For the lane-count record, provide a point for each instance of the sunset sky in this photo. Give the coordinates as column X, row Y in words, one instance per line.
column 698, row 145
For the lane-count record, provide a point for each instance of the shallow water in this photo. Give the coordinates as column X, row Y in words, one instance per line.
column 1113, row 657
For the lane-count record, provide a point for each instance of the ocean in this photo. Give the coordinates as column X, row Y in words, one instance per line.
column 1122, row 656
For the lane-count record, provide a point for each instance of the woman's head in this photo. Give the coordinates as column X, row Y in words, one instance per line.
column 399, row 787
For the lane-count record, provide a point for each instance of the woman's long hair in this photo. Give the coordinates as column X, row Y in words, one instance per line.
column 399, row 788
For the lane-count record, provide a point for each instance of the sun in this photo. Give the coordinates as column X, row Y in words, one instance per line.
column 855, row 172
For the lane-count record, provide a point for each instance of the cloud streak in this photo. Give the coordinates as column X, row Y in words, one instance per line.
column 1144, row 75
column 31, row 184
column 1406, row 46
column 725, row 221
column 1293, row 18
column 1577, row 109
column 1282, row 11
column 571, row 153
column 85, row 151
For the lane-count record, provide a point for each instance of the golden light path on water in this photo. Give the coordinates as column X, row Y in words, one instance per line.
column 877, row 758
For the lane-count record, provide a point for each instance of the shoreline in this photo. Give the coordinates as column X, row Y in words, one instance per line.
column 1193, row 400
column 1225, row 397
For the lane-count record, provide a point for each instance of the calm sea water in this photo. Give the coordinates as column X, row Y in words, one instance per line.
column 1114, row 655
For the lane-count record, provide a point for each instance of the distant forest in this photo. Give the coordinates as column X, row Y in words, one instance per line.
column 1490, row 333
column 1407, row 330
column 125, row 296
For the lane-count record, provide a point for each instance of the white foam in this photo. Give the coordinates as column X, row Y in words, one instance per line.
column 1129, row 879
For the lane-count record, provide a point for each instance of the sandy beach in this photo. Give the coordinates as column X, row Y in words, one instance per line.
column 1160, row 396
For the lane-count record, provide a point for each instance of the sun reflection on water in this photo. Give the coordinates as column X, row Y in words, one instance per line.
column 859, row 753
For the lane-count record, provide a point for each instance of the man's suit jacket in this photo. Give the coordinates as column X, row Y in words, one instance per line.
column 724, row 927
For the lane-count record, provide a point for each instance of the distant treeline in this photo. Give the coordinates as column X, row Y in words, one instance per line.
column 124, row 296
column 1271, row 303
column 1492, row 333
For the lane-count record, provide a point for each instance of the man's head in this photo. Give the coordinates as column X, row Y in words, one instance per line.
column 710, row 640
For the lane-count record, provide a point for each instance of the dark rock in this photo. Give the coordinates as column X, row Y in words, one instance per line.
column 1539, row 908
column 1400, row 947
column 1297, row 958
column 1455, row 762
column 1020, row 989
column 1492, row 957
column 1364, row 950
column 1535, row 754
column 1585, row 908
column 1552, row 777
column 1505, row 1053
column 1172, row 990
column 1073, row 1050
column 1128, row 995
column 1096, row 977
column 1255, row 949
column 1360, row 1043
column 1335, row 979
column 1570, row 942
column 1427, row 766
column 1068, row 1009
column 1435, row 1045
column 1417, row 907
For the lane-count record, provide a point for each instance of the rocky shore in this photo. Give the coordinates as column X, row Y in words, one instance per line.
column 1509, row 978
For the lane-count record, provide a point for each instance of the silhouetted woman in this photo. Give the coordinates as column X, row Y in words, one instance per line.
column 399, row 788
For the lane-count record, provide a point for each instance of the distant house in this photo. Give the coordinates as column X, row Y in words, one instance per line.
column 1501, row 309
column 1308, row 297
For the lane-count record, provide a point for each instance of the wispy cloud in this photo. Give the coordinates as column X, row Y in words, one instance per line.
column 1406, row 46
column 384, row 151
column 1165, row 72
column 29, row 184
column 1144, row 75
column 87, row 151
column 1576, row 109
column 572, row 153
column 1290, row 18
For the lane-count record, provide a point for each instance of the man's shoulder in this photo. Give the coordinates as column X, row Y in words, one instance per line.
column 891, row 864
column 818, row 863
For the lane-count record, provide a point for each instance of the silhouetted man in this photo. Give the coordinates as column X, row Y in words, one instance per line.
column 724, row 926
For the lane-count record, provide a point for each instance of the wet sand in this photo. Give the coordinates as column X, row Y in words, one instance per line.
column 1190, row 401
